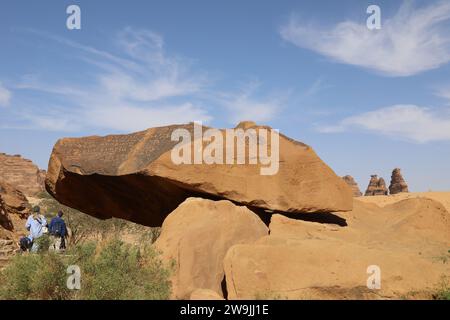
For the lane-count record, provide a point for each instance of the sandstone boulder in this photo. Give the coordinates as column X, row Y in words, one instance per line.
column 196, row 237
column 376, row 187
column 307, row 260
column 22, row 174
column 133, row 177
column 353, row 185
column 205, row 294
column 398, row 184
column 14, row 209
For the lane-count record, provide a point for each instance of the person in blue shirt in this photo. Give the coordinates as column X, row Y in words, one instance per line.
column 58, row 232
column 37, row 226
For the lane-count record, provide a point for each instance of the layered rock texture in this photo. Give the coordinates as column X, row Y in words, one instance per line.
column 14, row 209
column 376, row 187
column 353, row 185
column 21, row 173
column 133, row 177
column 307, row 260
column 197, row 235
column 398, row 184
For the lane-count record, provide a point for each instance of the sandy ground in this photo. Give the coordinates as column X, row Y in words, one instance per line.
column 440, row 196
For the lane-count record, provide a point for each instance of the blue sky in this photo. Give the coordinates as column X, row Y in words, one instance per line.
column 366, row 100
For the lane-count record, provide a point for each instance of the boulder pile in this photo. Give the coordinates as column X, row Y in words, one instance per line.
column 376, row 187
column 353, row 185
column 398, row 184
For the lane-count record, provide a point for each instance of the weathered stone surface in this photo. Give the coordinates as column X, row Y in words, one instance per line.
column 353, row 185
column 22, row 174
column 305, row 260
column 14, row 208
column 398, row 184
column 205, row 294
column 376, row 187
column 133, row 177
column 197, row 235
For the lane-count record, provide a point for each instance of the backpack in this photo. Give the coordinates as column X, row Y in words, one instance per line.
column 25, row 243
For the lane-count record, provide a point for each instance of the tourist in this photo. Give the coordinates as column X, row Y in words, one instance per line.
column 37, row 226
column 58, row 232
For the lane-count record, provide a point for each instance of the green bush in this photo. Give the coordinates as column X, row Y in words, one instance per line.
column 34, row 276
column 113, row 270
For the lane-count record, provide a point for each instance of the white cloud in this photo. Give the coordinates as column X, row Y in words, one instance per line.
column 414, row 40
column 411, row 122
column 129, row 93
column 5, row 96
column 244, row 105
column 444, row 92
column 137, row 87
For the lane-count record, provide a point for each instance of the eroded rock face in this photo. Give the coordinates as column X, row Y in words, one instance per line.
column 22, row 174
column 353, row 185
column 398, row 184
column 133, row 177
column 14, row 209
column 306, row 260
column 197, row 235
column 376, row 187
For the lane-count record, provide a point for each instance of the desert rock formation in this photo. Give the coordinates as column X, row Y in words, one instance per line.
column 14, row 209
column 398, row 184
column 353, row 185
column 22, row 174
column 197, row 235
column 376, row 187
column 133, row 177
column 205, row 294
column 323, row 261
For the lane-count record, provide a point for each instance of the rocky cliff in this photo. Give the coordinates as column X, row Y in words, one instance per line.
column 22, row 174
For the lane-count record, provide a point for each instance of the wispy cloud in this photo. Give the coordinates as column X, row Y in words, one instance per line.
column 5, row 96
column 410, row 122
column 246, row 105
column 414, row 40
column 444, row 92
column 138, row 86
column 131, row 92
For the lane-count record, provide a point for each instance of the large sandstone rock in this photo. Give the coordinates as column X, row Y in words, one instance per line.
column 376, row 187
column 306, row 260
column 353, row 185
column 133, row 177
column 14, row 209
column 196, row 237
column 205, row 294
column 22, row 174
column 398, row 184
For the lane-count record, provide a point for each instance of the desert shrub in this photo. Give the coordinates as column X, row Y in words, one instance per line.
column 110, row 270
column 34, row 276
column 43, row 243
column 122, row 271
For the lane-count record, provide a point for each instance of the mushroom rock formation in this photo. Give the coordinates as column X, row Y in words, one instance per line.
column 398, row 184
column 376, row 187
column 353, row 185
column 134, row 177
column 22, row 174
